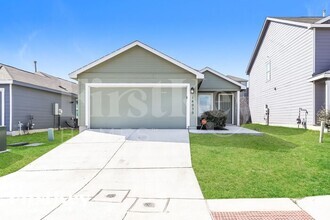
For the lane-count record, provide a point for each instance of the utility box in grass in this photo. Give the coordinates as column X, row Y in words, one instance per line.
column 3, row 138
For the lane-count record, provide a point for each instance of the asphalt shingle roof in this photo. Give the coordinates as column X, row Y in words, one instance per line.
column 237, row 79
column 39, row 79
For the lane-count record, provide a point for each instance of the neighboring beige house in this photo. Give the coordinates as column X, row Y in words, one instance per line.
column 140, row 87
column 289, row 70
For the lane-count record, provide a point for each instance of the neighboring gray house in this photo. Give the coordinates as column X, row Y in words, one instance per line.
column 289, row 69
column 24, row 94
column 140, row 87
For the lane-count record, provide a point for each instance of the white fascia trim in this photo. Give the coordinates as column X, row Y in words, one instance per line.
column 261, row 34
column 325, row 75
column 88, row 86
column 222, row 76
column 74, row 74
column 323, row 20
column 320, row 26
column 2, row 91
column 290, row 22
column 6, row 81
column 10, row 107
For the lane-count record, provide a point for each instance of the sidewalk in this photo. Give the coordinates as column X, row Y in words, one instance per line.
column 308, row 208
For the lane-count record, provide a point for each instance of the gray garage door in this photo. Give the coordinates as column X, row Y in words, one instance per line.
column 138, row 108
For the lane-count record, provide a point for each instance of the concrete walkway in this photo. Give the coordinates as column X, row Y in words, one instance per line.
column 108, row 174
column 131, row 175
column 230, row 129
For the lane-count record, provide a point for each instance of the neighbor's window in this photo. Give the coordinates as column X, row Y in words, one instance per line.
column 268, row 71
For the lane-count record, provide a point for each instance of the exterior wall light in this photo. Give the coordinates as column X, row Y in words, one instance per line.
column 192, row 90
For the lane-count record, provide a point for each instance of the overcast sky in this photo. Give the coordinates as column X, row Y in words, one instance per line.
column 63, row 35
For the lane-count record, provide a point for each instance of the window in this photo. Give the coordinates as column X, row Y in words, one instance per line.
column 205, row 103
column 268, row 71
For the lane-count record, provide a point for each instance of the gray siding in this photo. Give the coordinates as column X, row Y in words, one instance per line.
column 322, row 50
column 319, row 96
column 135, row 66
column 39, row 103
column 7, row 105
column 290, row 51
column 212, row 82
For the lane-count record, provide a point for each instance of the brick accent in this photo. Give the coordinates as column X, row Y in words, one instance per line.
column 264, row 215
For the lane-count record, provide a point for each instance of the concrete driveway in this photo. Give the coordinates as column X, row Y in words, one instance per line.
column 108, row 174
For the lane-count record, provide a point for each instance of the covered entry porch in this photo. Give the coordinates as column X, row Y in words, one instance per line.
column 321, row 96
column 228, row 102
column 219, row 92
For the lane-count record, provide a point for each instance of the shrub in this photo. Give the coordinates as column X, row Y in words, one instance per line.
column 215, row 119
column 323, row 115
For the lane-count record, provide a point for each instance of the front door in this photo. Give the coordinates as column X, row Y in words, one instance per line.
column 205, row 103
column 226, row 102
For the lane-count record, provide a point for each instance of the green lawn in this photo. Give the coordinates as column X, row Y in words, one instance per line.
column 18, row 157
column 284, row 162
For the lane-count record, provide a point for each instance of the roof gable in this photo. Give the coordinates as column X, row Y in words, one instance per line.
column 325, row 20
column 306, row 22
column 220, row 75
column 4, row 75
column 75, row 74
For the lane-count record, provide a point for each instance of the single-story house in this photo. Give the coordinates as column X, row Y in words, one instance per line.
column 140, row 87
column 289, row 71
column 242, row 81
column 31, row 98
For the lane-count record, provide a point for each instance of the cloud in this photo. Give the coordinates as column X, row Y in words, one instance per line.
column 24, row 50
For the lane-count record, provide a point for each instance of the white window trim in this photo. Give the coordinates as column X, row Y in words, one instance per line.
column 88, row 86
column 2, row 91
column 212, row 100
column 232, row 105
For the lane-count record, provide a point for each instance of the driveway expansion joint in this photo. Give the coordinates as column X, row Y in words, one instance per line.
column 101, row 168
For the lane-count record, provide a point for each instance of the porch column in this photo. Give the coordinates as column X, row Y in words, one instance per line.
column 327, row 95
column 239, row 104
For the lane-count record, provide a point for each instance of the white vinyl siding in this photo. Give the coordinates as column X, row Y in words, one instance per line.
column 290, row 49
column 268, row 71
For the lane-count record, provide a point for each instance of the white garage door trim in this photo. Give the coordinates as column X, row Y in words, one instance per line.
column 88, row 87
